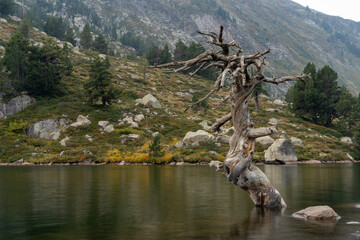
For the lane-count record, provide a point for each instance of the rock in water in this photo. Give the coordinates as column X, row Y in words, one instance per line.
column 317, row 213
column 281, row 150
column 199, row 136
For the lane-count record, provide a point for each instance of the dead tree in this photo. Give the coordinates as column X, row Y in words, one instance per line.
column 235, row 69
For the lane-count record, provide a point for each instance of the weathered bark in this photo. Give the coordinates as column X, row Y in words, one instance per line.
column 238, row 167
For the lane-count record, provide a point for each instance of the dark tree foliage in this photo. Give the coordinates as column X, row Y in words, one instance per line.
column 99, row 86
column 67, row 67
column 140, row 45
column 100, row 44
column 6, row 7
column 180, row 51
column 165, row 55
column 154, row 55
column 45, row 70
column 316, row 100
column 55, row 27
column 16, row 58
column 70, row 36
column 155, row 148
column 24, row 27
column 259, row 89
column 86, row 37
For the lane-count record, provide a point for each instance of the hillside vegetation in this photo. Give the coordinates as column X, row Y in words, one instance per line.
column 173, row 91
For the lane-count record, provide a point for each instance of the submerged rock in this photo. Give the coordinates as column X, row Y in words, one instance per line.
column 281, row 150
column 317, row 213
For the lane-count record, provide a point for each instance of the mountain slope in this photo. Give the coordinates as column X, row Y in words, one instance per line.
column 296, row 35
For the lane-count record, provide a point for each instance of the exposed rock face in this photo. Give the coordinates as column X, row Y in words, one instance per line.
column 346, row 140
column 46, row 129
column 223, row 139
column 63, row 142
column 149, row 101
column 130, row 121
column 139, row 118
column 109, row 128
column 265, row 141
column 103, row 124
column 15, row 105
column 81, row 121
column 279, row 102
column 317, row 213
column 179, row 144
column 199, row 136
column 296, row 141
column 205, row 125
column 281, row 150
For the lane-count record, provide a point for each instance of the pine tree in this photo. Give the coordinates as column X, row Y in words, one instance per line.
column 16, row 58
column 6, row 7
column 65, row 60
column 55, row 27
column 85, row 37
column 100, row 44
column 154, row 55
column 180, row 50
column 70, row 36
column 99, row 84
column 155, row 148
column 24, row 27
column 165, row 55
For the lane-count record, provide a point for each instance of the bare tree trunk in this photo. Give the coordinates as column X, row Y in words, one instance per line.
column 238, row 167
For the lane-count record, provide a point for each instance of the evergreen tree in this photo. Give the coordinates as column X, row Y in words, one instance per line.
column 316, row 99
column 70, row 36
column 180, row 50
column 16, row 58
column 155, row 148
column 24, row 27
column 99, row 84
column 65, row 60
column 55, row 27
column 259, row 89
column 100, row 44
column 85, row 37
column 165, row 55
column 6, row 7
column 44, row 70
column 154, row 55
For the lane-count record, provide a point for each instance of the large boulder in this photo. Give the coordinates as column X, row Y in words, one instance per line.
column 199, row 136
column 149, row 101
column 281, row 150
column 317, row 213
column 274, row 121
column 46, row 129
column 15, row 105
column 265, row 141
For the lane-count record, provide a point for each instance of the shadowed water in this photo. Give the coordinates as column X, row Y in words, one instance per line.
column 166, row 202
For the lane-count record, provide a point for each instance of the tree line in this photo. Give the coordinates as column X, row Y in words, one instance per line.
column 322, row 101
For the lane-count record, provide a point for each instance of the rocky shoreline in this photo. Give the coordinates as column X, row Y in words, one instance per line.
column 123, row 163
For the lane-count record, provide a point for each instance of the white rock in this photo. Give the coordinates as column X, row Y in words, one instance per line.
column 110, row 128
column 43, row 129
column 149, row 101
column 223, row 139
column 130, row 121
column 179, row 144
column 274, row 121
column 296, row 141
column 279, row 103
column 281, row 150
column 3, row 20
column 155, row 134
column 134, row 136
column 199, row 136
column 81, row 121
column 139, row 118
column 195, row 144
column 317, row 213
column 103, row 124
column 89, row 138
column 205, row 125
column 15, row 18
column 273, row 110
column 136, row 77
column 265, row 141
column 346, row 140
column 102, row 56
column 63, row 142
column 15, row 105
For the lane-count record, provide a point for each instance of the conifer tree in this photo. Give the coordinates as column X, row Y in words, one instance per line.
column 24, row 27
column 180, row 50
column 6, row 7
column 165, row 55
column 154, row 55
column 16, row 58
column 100, row 44
column 99, row 85
column 85, row 37
column 70, row 36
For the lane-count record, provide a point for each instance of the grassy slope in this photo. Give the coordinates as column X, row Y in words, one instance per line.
column 170, row 121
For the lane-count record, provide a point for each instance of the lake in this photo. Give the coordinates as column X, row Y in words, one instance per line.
column 170, row 202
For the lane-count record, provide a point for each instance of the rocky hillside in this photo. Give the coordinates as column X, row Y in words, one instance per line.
column 67, row 129
column 296, row 35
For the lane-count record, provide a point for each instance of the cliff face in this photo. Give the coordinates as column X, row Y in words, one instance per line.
column 296, row 35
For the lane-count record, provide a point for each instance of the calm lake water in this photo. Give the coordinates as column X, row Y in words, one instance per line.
column 167, row 202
